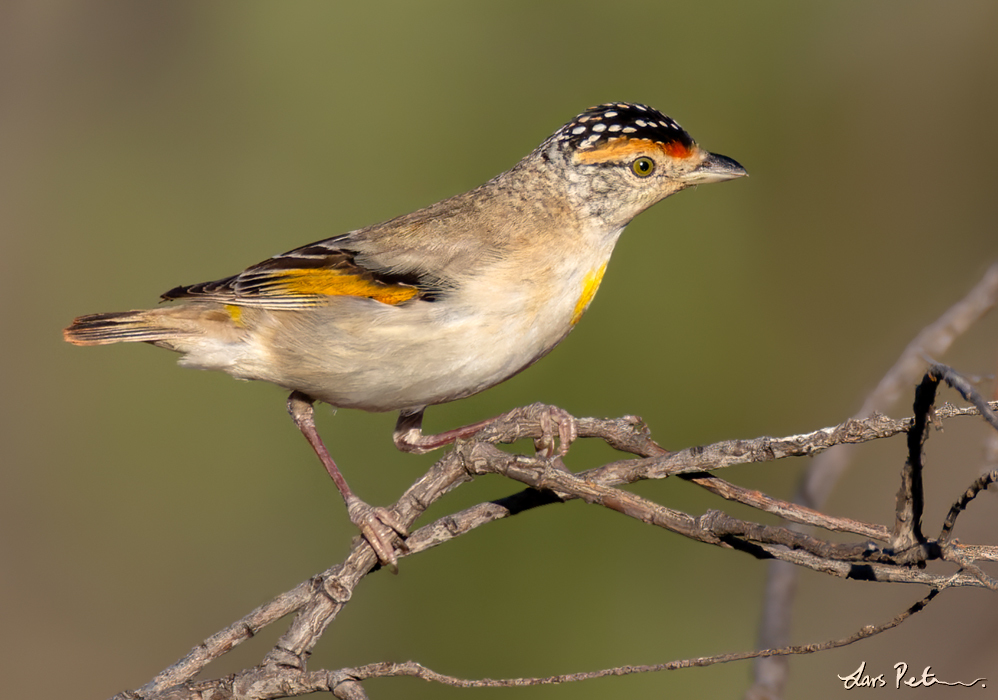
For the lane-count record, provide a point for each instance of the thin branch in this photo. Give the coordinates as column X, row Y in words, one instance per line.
column 967, row 391
column 961, row 504
column 319, row 600
column 825, row 471
column 933, row 341
column 911, row 498
column 265, row 683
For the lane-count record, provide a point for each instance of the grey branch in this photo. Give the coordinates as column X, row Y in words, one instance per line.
column 823, row 473
column 345, row 683
column 318, row 601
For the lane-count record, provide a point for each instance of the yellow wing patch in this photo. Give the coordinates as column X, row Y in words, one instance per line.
column 327, row 282
column 589, row 287
column 235, row 313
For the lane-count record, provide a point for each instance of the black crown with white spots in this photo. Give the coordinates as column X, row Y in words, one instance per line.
column 599, row 124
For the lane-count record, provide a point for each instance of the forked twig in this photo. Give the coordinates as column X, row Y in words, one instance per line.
column 318, row 601
column 346, row 682
column 824, row 472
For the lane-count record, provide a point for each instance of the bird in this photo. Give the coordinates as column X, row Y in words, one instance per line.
column 435, row 305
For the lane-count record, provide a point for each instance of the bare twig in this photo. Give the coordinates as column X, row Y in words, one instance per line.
column 825, row 471
column 933, row 341
column 970, row 494
column 318, row 601
column 264, row 683
column 911, row 498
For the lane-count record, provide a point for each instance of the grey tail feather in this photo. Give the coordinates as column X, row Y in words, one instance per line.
column 123, row 327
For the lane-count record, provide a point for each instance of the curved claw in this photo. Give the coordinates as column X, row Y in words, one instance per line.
column 568, row 432
column 380, row 527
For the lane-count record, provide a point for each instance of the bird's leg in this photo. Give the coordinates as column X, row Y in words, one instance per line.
column 377, row 525
column 409, row 436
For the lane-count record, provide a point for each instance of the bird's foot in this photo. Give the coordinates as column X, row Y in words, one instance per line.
column 554, row 422
column 556, row 429
column 380, row 527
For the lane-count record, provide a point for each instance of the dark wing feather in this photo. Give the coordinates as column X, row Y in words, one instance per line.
column 308, row 276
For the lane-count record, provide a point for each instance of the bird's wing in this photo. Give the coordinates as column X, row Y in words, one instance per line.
column 309, row 276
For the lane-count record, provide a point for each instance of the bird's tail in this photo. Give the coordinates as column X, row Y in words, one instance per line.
column 123, row 327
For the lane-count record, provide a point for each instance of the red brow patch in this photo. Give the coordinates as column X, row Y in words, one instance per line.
column 677, row 149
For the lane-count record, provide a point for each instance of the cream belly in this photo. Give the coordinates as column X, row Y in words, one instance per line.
column 378, row 357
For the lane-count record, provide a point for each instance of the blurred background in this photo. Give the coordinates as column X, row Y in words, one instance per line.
column 150, row 144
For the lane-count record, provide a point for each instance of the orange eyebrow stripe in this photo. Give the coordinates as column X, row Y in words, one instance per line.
column 326, row 282
column 620, row 148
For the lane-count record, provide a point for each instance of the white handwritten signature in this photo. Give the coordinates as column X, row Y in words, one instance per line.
column 861, row 679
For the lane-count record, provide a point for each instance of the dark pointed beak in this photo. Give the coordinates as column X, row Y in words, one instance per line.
column 716, row 168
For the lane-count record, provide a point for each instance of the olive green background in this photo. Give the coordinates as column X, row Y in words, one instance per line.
column 149, row 144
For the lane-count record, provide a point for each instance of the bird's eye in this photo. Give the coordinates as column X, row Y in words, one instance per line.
column 643, row 167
